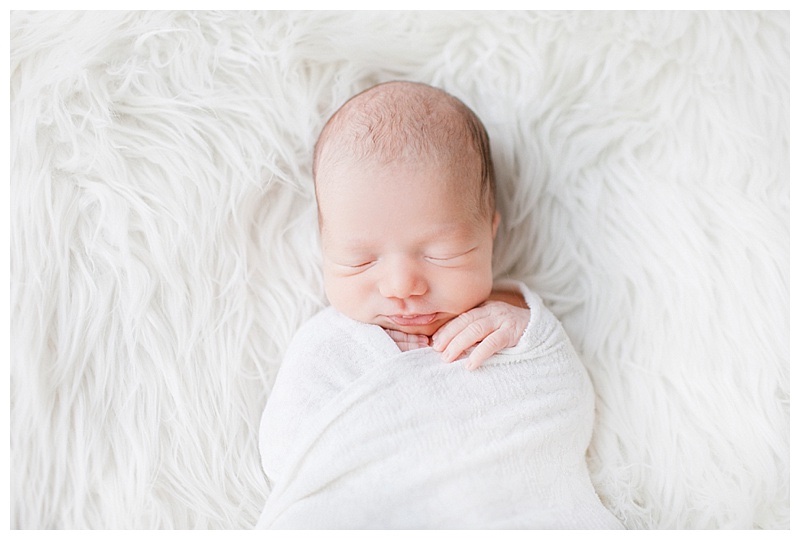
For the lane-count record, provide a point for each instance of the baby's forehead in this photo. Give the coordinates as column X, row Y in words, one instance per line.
column 453, row 173
column 370, row 181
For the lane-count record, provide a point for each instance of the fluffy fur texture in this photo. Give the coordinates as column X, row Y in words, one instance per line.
column 164, row 248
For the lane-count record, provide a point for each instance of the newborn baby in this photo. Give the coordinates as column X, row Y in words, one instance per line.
column 371, row 424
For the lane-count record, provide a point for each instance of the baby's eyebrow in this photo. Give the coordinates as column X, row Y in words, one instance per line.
column 356, row 245
column 349, row 244
column 437, row 235
column 451, row 231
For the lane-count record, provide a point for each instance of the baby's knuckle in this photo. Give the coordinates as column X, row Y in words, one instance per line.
column 484, row 326
column 463, row 320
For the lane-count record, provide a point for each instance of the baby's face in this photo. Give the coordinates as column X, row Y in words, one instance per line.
column 400, row 247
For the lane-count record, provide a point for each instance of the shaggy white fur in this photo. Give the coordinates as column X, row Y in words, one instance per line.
column 163, row 242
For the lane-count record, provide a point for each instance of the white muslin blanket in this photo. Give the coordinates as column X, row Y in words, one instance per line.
column 358, row 435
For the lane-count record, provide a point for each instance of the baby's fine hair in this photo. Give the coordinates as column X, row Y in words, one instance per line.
column 407, row 121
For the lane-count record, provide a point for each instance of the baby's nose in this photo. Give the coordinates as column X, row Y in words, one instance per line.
column 402, row 279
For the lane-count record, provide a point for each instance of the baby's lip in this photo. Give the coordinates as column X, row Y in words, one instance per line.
column 412, row 319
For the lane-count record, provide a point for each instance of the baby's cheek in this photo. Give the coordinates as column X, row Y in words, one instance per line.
column 348, row 294
column 471, row 289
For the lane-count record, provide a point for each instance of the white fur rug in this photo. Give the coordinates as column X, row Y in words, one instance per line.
column 163, row 242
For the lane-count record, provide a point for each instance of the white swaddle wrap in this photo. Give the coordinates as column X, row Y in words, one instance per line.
column 359, row 435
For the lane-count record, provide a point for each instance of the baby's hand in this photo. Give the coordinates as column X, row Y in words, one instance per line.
column 408, row 342
column 493, row 326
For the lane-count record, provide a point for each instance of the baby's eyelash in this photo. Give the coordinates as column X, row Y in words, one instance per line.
column 446, row 261
column 442, row 258
column 450, row 257
column 359, row 265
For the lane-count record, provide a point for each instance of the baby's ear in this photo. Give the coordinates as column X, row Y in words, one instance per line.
column 495, row 224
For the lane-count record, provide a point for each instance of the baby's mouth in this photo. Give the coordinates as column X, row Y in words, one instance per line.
column 413, row 319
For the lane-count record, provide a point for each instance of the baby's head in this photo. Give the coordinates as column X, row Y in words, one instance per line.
column 406, row 200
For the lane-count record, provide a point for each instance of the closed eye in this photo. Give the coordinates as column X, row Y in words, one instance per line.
column 358, row 265
column 449, row 258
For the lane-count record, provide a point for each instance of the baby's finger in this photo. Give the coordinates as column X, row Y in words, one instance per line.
column 469, row 336
column 494, row 342
column 443, row 336
column 408, row 342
